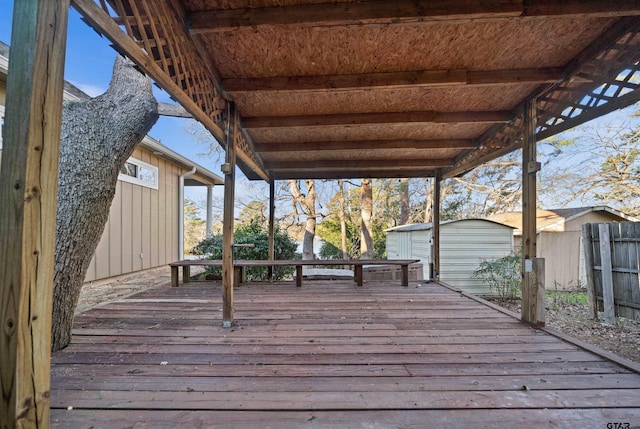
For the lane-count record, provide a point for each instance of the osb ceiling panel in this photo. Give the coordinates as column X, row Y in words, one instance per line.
column 453, row 77
column 453, row 99
column 368, row 132
column 494, row 45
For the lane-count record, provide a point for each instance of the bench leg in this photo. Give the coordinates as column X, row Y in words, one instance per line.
column 357, row 274
column 186, row 274
column 405, row 275
column 299, row 275
column 174, row 277
column 237, row 275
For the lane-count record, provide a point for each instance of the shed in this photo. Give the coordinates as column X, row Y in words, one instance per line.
column 464, row 244
column 559, row 240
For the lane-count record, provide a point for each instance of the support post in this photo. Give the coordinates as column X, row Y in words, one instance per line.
column 436, row 227
column 530, row 166
column 272, row 213
column 28, row 193
column 209, row 228
column 229, row 170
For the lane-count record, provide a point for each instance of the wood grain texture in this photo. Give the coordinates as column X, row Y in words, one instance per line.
column 28, row 190
column 329, row 353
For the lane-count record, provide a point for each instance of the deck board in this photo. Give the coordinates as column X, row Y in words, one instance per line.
column 329, row 354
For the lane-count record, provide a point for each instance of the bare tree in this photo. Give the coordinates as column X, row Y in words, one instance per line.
column 366, row 213
column 343, row 222
column 98, row 136
column 307, row 203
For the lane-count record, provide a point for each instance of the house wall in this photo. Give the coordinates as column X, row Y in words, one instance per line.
column 142, row 230
column 562, row 250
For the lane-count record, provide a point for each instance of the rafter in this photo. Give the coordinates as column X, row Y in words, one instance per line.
column 183, row 74
column 352, row 174
column 490, row 117
column 424, row 78
column 402, row 11
column 566, row 104
column 364, row 145
column 362, row 164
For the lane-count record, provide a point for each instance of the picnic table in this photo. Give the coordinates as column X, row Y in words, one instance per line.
column 240, row 264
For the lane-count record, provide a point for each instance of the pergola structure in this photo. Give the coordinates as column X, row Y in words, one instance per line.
column 306, row 89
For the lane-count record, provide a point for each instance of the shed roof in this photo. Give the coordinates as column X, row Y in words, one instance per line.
column 338, row 89
column 546, row 219
column 429, row 225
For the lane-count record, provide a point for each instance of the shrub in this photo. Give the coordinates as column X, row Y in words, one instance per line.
column 503, row 275
column 252, row 232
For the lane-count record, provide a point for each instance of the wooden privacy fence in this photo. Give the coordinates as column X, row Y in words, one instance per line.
column 612, row 262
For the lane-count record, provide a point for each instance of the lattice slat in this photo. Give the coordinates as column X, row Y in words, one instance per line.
column 154, row 26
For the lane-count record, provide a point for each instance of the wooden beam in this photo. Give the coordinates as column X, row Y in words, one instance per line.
column 402, row 12
column 174, row 110
column 28, row 193
column 424, row 78
column 104, row 24
column 388, row 118
column 366, row 145
column 354, row 173
column 381, row 11
column 593, row 8
column 494, row 137
column 229, row 170
column 342, row 164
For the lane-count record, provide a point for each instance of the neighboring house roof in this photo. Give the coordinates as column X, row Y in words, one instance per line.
column 548, row 219
column 72, row 93
column 429, row 225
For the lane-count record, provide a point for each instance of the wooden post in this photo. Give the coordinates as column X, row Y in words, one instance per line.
column 530, row 167
column 587, row 244
column 436, row 227
column 28, row 192
column 272, row 213
column 607, row 274
column 229, row 170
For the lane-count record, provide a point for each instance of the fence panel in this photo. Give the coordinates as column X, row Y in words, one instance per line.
column 624, row 240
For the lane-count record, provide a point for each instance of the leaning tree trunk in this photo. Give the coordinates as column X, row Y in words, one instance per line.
column 98, row 136
column 366, row 213
column 308, row 205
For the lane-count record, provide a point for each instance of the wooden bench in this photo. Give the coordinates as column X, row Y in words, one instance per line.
column 239, row 265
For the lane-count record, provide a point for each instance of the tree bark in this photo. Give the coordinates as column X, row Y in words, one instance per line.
column 366, row 214
column 343, row 222
column 404, row 201
column 308, row 205
column 98, row 136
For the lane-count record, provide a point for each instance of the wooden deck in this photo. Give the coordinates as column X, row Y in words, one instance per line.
column 329, row 354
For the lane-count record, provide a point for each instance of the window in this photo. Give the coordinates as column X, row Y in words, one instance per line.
column 139, row 173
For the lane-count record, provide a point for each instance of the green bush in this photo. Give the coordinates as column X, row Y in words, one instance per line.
column 503, row 275
column 254, row 233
